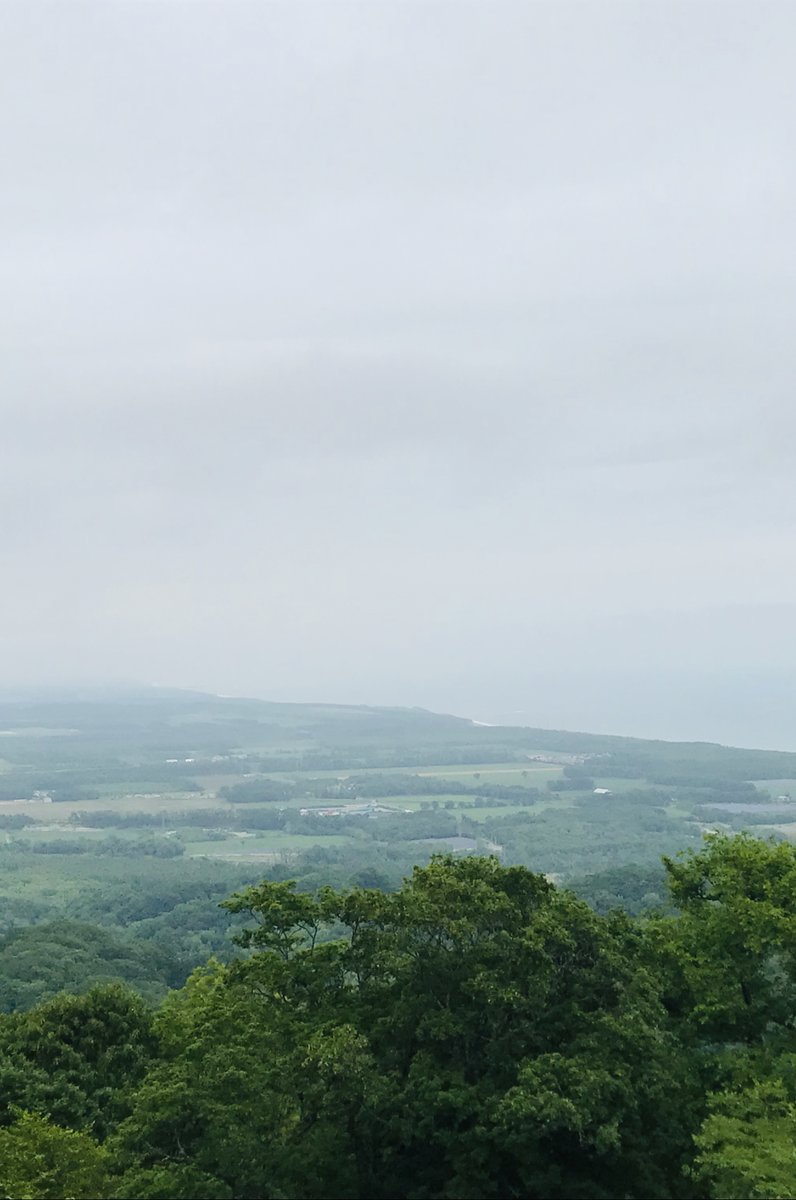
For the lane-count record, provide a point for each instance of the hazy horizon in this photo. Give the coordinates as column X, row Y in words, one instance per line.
column 425, row 355
column 559, row 705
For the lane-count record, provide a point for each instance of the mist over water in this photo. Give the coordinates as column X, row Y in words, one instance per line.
column 739, row 709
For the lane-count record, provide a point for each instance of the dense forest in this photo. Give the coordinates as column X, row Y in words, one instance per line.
column 479, row 1032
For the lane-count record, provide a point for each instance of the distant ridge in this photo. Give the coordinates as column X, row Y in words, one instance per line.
column 324, row 725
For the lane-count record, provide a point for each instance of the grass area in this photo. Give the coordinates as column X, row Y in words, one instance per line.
column 49, row 833
column 620, row 785
column 509, row 810
column 506, row 774
column 788, row 830
column 155, row 803
column 214, row 783
column 154, row 787
column 274, row 842
column 677, row 811
column 777, row 787
column 514, row 773
column 560, row 801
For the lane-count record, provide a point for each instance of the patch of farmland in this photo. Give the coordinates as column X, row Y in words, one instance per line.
column 154, row 802
column 275, row 842
column 777, row 787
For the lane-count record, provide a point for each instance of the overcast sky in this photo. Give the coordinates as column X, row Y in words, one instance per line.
column 418, row 353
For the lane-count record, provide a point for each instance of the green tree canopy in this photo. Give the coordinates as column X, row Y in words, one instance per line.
column 477, row 1033
column 40, row 1161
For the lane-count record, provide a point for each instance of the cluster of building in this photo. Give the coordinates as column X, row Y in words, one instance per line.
column 370, row 809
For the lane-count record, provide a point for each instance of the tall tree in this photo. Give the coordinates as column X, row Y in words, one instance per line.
column 731, row 955
column 477, row 1033
column 40, row 1161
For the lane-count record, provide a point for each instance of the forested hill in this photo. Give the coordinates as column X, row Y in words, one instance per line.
column 115, row 729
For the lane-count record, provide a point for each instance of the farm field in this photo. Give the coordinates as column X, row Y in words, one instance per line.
column 165, row 803
column 275, row 844
column 558, row 802
column 777, row 787
column 618, row 785
column 508, row 774
column 399, row 803
column 786, row 830
column 64, row 830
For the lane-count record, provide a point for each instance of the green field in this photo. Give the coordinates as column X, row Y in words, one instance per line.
column 786, row 830
column 47, row 833
column 164, row 803
column 272, row 844
column 777, row 787
column 617, row 784
column 508, row 774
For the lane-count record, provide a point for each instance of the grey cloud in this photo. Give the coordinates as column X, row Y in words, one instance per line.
column 419, row 353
